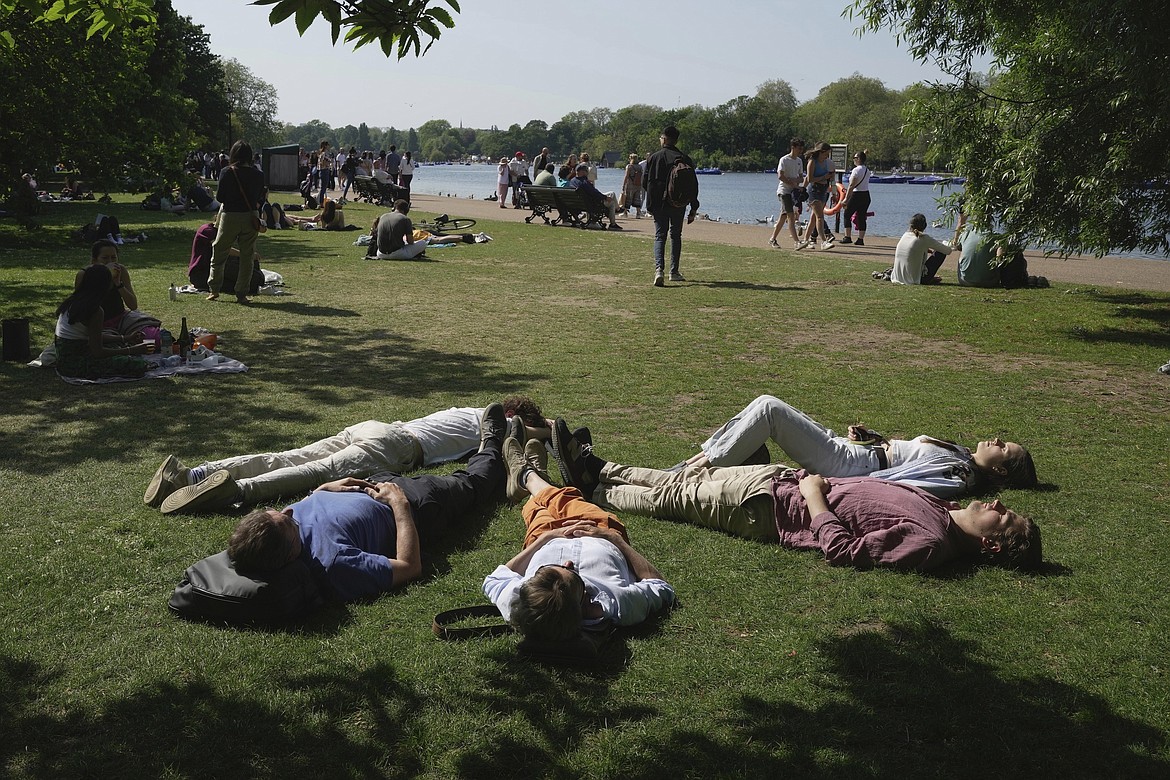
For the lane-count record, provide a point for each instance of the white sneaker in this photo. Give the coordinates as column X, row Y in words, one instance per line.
column 827, row 244
column 801, row 245
column 658, row 282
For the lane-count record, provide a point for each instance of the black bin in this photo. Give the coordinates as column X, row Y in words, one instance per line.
column 16, row 342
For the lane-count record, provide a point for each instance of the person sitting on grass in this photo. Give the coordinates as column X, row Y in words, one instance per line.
column 606, row 200
column 396, row 234
column 577, row 568
column 84, row 349
column 854, row 521
column 940, row 467
column 364, row 448
column 429, row 239
column 199, row 266
column 911, row 264
column 364, row 537
column 123, row 320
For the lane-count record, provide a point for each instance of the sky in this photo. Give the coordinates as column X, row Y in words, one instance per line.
column 510, row 61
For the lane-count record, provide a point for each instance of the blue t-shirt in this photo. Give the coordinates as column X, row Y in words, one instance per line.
column 351, row 536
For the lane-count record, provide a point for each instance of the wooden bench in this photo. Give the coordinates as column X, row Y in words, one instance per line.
column 374, row 191
column 573, row 208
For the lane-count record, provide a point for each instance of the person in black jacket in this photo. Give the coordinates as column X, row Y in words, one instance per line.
column 667, row 218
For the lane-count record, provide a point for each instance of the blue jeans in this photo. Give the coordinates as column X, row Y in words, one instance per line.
column 668, row 219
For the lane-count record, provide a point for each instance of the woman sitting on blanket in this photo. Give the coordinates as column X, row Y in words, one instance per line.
column 273, row 213
column 939, row 467
column 84, row 349
column 331, row 217
column 120, row 304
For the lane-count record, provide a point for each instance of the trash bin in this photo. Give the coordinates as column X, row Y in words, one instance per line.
column 16, row 341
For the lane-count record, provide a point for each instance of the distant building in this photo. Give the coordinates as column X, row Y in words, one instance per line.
column 611, row 160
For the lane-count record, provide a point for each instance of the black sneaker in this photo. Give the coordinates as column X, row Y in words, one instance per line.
column 493, row 426
column 859, row 242
column 847, row 240
column 570, row 459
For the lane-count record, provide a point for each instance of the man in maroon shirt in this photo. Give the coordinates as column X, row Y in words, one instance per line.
column 855, row 521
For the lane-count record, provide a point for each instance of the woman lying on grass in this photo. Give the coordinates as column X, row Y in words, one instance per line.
column 940, row 467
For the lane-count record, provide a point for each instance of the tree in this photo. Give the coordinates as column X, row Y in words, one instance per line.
column 396, row 25
column 253, row 102
column 1068, row 145
column 859, row 111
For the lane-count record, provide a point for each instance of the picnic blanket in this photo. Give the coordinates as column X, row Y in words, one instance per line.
column 202, row 361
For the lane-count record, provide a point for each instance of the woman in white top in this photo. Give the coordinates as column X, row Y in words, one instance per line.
column 405, row 173
column 83, row 348
column 503, row 181
column 857, row 200
column 910, row 265
column 940, row 467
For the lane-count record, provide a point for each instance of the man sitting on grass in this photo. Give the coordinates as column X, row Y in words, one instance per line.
column 364, row 537
column 396, row 234
column 577, row 567
column 363, row 449
column 856, row 521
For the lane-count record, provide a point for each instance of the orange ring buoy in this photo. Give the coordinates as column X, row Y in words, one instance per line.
column 840, row 201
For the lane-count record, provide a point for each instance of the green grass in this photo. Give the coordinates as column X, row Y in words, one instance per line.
column 776, row 664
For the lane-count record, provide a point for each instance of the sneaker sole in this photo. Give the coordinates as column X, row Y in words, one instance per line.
column 218, row 491
column 152, row 497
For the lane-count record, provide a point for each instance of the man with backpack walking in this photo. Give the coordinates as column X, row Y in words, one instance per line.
column 671, row 186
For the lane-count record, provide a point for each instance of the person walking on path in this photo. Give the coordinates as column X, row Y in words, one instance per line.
column 664, row 205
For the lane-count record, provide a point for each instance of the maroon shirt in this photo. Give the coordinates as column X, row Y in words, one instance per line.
column 870, row 522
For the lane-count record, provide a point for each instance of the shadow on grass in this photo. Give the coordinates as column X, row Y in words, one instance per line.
column 1151, row 313
column 732, row 285
column 345, row 724
column 915, row 702
column 301, row 368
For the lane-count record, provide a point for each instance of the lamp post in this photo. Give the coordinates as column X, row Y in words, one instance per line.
column 230, row 95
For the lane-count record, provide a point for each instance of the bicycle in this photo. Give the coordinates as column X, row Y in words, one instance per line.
column 443, row 223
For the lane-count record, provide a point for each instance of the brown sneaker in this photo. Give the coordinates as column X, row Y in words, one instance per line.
column 218, row 491
column 536, row 456
column 515, row 463
column 169, row 477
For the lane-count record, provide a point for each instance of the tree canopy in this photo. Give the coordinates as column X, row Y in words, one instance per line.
column 1067, row 144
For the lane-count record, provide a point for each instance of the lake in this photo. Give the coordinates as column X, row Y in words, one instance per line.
column 741, row 198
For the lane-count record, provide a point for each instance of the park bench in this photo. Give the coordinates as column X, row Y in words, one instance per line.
column 374, row 191
column 573, row 208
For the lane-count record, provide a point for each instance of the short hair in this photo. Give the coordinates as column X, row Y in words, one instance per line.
column 528, row 410
column 548, row 606
column 583, row 166
column 402, row 205
column 259, row 543
column 550, row 167
column 671, row 133
column 1019, row 548
column 796, row 142
column 918, row 222
column 99, row 245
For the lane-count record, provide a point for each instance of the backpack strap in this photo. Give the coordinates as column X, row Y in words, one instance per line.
column 444, row 623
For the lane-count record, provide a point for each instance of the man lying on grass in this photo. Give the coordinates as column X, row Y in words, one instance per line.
column 364, row 536
column 364, row 448
column 855, row 521
column 577, row 568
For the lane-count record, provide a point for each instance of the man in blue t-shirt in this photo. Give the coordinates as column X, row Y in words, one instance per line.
column 363, row 537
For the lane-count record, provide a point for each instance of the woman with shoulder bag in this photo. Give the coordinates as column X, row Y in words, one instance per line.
column 240, row 188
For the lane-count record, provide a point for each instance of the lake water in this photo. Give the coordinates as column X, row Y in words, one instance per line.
column 733, row 197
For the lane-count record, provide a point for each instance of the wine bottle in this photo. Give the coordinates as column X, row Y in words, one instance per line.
column 184, row 341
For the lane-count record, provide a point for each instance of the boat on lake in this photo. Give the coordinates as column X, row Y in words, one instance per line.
column 893, row 178
column 930, row 178
column 709, row 171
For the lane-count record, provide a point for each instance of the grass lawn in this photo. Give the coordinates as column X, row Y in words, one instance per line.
column 776, row 664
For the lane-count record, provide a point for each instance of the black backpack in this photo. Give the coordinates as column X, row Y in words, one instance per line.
column 682, row 188
column 212, row 590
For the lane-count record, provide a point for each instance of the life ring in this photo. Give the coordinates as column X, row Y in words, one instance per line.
column 831, row 210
